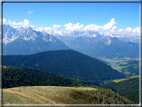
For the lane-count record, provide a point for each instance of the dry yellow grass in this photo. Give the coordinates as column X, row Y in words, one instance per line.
column 47, row 95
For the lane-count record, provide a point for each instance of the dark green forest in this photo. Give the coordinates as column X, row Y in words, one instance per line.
column 128, row 88
column 68, row 63
column 16, row 76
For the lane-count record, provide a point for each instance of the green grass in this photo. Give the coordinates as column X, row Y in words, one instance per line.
column 42, row 95
column 136, row 76
column 119, row 80
column 9, row 98
column 84, row 87
column 61, row 95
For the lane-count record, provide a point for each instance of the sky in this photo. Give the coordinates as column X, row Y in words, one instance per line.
column 67, row 17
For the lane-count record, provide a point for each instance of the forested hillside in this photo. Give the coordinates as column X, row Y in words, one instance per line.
column 16, row 76
column 68, row 63
column 128, row 88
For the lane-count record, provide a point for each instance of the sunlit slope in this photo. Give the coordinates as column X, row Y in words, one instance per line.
column 60, row 95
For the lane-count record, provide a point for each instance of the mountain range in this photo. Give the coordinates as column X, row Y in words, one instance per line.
column 104, row 46
column 23, row 41
column 28, row 41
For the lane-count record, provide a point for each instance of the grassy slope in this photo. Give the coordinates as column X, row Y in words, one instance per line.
column 119, row 80
column 42, row 95
column 57, row 95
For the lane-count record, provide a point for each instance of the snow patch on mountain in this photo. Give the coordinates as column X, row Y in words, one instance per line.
column 94, row 35
column 108, row 42
column 45, row 39
column 7, row 40
column 25, row 38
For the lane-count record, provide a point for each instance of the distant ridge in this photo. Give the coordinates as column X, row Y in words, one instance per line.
column 68, row 63
column 104, row 46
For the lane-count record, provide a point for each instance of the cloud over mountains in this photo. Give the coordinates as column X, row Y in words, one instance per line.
column 107, row 29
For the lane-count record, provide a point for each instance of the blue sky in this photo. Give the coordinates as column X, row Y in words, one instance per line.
column 123, row 15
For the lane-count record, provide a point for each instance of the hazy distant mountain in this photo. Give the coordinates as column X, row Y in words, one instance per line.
column 133, row 39
column 104, row 46
column 122, row 37
column 68, row 63
column 28, row 41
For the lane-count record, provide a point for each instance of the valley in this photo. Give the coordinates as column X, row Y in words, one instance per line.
column 127, row 66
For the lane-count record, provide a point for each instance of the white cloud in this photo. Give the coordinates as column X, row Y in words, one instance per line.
column 48, row 30
column 30, row 12
column 128, row 29
column 4, row 20
column 57, row 27
column 39, row 29
column 136, row 30
column 68, row 26
column 76, row 27
column 108, row 29
column 92, row 27
column 109, row 25
column 120, row 30
column 52, row 31
column 114, row 27
column 25, row 23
